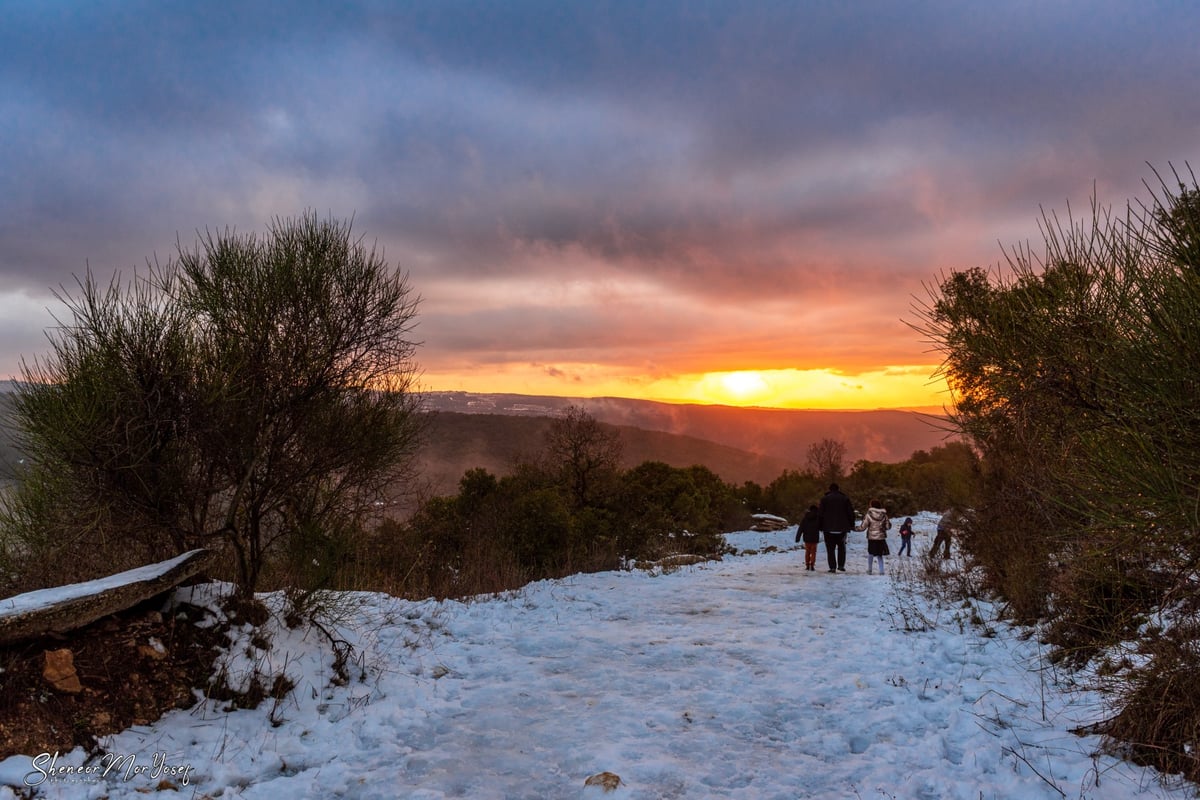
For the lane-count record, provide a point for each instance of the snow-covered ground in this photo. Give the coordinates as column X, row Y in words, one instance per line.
column 748, row 678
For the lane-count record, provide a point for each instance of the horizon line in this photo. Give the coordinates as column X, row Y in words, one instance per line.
column 929, row 410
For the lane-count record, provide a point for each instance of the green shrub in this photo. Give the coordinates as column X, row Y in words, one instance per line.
column 249, row 391
column 1073, row 375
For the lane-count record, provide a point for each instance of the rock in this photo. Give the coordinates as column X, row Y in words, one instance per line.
column 606, row 780
column 59, row 671
column 768, row 522
column 151, row 652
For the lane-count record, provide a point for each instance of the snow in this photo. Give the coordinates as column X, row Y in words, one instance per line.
column 746, row 678
column 47, row 598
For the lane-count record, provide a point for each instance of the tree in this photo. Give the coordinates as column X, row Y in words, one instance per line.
column 668, row 511
column 827, row 459
column 252, row 390
column 582, row 450
column 793, row 492
column 722, row 497
column 946, row 476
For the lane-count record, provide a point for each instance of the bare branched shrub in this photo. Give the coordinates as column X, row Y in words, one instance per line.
column 826, row 460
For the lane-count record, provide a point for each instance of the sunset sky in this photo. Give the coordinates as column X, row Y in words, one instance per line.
column 722, row 202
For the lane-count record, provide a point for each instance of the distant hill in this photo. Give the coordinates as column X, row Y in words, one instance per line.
column 785, row 434
column 739, row 444
column 456, row 442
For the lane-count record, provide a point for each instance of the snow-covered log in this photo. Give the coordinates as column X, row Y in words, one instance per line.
column 64, row 608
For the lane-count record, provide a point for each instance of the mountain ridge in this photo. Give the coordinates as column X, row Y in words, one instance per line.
column 886, row 435
column 469, row 430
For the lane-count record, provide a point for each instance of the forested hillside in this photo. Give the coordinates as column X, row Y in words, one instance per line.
column 739, row 444
column 783, row 433
column 455, row 443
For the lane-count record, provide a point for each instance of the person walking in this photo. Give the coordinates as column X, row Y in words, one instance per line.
column 810, row 532
column 875, row 523
column 906, row 534
column 837, row 520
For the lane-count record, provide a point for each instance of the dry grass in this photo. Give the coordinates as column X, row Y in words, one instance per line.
column 1100, row 601
column 1158, row 724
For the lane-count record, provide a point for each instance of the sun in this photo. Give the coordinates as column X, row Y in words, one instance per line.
column 743, row 385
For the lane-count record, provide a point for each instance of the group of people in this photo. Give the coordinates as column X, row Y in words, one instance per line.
column 834, row 519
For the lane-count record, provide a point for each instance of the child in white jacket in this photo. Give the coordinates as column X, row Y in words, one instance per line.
column 875, row 523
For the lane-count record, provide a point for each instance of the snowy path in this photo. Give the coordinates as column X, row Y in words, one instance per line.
column 744, row 679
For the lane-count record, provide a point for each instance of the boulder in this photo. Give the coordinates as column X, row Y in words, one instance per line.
column 768, row 522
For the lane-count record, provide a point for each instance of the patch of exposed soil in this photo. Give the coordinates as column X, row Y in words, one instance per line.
column 133, row 667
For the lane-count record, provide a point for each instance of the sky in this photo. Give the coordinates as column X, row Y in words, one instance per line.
column 701, row 201
column 745, row 679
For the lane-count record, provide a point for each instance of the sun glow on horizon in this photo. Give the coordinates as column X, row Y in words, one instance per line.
column 894, row 387
column 901, row 387
column 744, row 386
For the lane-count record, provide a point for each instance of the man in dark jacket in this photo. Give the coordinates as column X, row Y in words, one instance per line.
column 837, row 520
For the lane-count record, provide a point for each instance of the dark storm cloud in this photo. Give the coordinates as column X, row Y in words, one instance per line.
column 724, row 149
